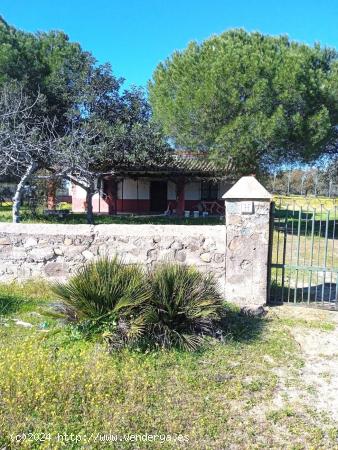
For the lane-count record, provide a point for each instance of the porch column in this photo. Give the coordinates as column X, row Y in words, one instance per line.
column 247, row 206
column 180, row 197
column 51, row 194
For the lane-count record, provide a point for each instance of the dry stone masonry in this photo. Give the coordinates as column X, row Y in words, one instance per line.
column 247, row 206
column 236, row 253
column 56, row 251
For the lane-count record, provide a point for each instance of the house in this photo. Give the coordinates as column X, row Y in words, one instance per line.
column 8, row 185
column 189, row 183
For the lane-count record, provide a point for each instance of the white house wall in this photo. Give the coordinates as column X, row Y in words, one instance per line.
column 129, row 191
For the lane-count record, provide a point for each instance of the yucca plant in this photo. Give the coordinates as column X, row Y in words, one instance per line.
column 104, row 294
column 185, row 306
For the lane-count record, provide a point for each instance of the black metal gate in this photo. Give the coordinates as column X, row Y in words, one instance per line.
column 304, row 252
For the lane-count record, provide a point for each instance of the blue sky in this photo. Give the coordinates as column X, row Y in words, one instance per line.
column 135, row 35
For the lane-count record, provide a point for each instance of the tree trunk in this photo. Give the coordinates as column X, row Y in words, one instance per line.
column 51, row 194
column 19, row 191
column 89, row 201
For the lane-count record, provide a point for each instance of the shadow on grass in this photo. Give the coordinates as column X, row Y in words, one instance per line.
column 9, row 304
column 80, row 218
column 241, row 327
column 325, row 294
column 327, row 224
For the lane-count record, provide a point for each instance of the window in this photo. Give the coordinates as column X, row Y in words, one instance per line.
column 209, row 190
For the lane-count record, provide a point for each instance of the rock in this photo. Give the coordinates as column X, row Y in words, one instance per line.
column 206, row 257
column 234, row 219
column 152, row 254
column 194, row 245
column 41, row 254
column 177, row 245
column 5, row 241
column 253, row 311
column 180, row 256
column 124, row 239
column 31, row 242
column 16, row 253
column 68, row 241
column 209, row 244
column 58, row 251
column 156, row 239
column 166, row 242
column 245, row 263
column 72, row 251
column 218, row 258
column 87, row 254
column 56, row 269
column 21, row 323
column 166, row 255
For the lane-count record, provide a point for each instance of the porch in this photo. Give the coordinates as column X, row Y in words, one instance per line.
column 181, row 196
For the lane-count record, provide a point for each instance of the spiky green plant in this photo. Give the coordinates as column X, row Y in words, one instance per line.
column 184, row 307
column 105, row 292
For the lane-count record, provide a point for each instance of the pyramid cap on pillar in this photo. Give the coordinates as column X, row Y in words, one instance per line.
column 247, row 188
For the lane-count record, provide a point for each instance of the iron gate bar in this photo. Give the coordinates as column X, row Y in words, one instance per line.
column 302, row 251
column 301, row 267
column 311, row 260
column 332, row 260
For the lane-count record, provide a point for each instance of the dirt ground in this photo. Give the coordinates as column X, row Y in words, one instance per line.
column 315, row 384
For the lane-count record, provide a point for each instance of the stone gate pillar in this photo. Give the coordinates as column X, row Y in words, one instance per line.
column 247, row 206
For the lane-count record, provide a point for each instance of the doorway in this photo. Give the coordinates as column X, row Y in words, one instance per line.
column 158, row 196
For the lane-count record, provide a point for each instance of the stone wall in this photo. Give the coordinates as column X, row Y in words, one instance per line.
column 56, row 251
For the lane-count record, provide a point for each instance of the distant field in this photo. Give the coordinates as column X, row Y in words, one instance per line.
column 305, row 241
column 319, row 203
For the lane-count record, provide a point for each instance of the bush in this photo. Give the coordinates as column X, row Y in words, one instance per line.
column 103, row 295
column 64, row 206
column 185, row 306
column 176, row 307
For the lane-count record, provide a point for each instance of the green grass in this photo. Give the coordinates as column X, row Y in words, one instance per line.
column 79, row 218
column 51, row 382
column 320, row 203
column 313, row 324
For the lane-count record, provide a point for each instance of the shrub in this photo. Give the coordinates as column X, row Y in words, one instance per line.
column 65, row 206
column 178, row 306
column 9, row 304
column 185, row 306
column 103, row 295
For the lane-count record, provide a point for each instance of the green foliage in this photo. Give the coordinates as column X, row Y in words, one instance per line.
column 176, row 307
column 94, row 126
column 16, row 297
column 44, row 62
column 184, row 307
column 9, row 304
column 103, row 294
column 249, row 98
